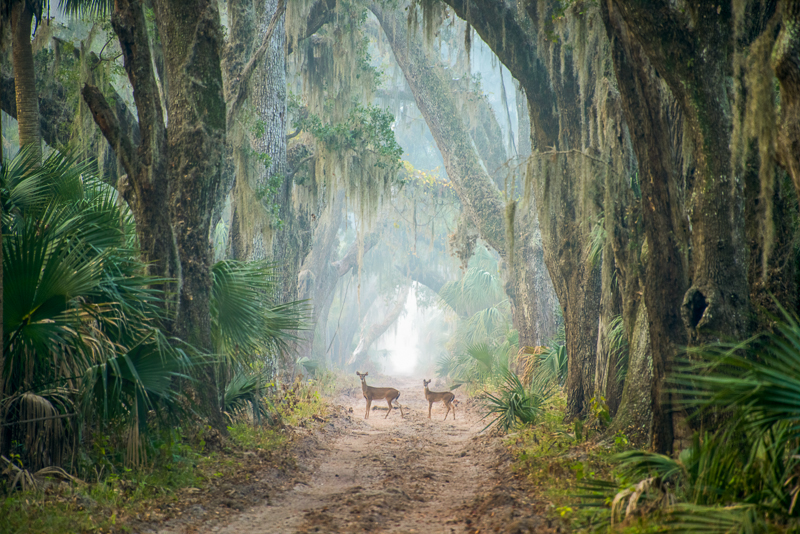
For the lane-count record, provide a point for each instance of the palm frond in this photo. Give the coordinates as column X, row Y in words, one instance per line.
column 514, row 404
column 245, row 391
column 760, row 375
column 86, row 8
column 597, row 242
column 618, row 346
column 246, row 322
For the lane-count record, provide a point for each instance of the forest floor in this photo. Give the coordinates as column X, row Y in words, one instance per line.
column 394, row 475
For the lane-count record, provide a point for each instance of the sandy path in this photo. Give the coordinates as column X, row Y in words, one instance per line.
column 385, row 475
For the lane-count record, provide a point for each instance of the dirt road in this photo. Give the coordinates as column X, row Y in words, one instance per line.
column 400, row 475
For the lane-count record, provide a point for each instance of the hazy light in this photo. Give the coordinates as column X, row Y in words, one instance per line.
column 402, row 342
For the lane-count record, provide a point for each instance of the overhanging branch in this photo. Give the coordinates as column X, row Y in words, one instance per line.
column 107, row 121
column 240, row 91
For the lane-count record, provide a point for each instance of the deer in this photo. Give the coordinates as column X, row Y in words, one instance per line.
column 446, row 397
column 371, row 393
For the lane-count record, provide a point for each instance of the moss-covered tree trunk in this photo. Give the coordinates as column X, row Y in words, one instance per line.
column 144, row 186
column 786, row 62
column 566, row 138
column 172, row 175
column 260, row 148
column 538, row 283
column 707, row 299
column 192, row 42
column 265, row 223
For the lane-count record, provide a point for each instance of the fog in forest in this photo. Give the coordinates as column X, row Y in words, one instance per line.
column 550, row 248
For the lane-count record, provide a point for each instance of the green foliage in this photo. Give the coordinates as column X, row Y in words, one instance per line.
column 742, row 477
column 618, row 347
column 597, row 241
column 86, row 8
column 247, row 322
column 82, row 325
column 514, row 404
column 365, row 128
column 483, row 343
column 245, row 393
column 250, row 331
column 554, row 363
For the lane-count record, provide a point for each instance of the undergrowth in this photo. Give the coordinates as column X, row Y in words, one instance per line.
column 558, row 459
column 179, row 462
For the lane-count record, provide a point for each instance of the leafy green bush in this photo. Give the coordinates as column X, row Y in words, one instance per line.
column 515, row 404
column 743, row 477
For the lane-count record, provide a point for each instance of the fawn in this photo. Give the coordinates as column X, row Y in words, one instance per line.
column 446, row 397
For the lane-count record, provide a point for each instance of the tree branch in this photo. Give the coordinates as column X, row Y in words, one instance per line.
column 129, row 25
column 318, row 16
column 424, row 275
column 299, row 164
column 377, row 329
column 504, row 28
column 240, row 90
column 350, row 258
column 107, row 121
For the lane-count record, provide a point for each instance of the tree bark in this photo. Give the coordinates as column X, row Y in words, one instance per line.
column 192, row 43
column 172, row 175
column 715, row 300
column 56, row 113
column 693, row 52
column 27, row 97
column 145, row 186
column 786, row 63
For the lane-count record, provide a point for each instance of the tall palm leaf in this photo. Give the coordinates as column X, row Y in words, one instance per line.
column 761, row 376
column 246, row 323
column 79, row 315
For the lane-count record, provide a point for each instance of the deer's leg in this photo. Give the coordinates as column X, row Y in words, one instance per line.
column 430, row 405
column 369, row 403
column 447, row 405
column 389, row 402
column 454, row 411
column 401, row 409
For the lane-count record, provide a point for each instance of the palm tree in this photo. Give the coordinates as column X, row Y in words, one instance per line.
column 83, row 340
column 22, row 14
column 250, row 330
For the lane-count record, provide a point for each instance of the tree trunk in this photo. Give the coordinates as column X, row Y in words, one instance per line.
column 566, row 139
column 715, row 303
column 25, row 78
column 192, row 43
column 537, row 282
column 317, row 280
column 261, row 151
column 145, row 186
column 786, row 62
column 172, row 175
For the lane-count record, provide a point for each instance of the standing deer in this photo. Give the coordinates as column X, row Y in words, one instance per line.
column 370, row 393
column 446, row 397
